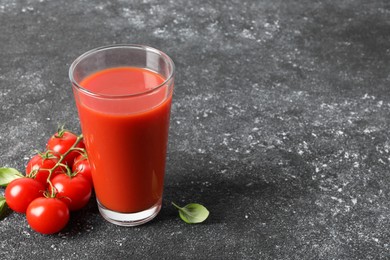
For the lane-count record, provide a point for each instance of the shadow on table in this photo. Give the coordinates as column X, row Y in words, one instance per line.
column 234, row 191
column 224, row 198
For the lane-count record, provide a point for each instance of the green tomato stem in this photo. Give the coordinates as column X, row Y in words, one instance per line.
column 59, row 163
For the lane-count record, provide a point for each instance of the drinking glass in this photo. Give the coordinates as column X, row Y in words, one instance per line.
column 123, row 95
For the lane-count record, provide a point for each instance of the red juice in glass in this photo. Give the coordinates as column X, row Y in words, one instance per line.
column 124, row 113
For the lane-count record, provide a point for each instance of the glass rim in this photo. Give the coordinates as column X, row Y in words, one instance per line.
column 120, row 46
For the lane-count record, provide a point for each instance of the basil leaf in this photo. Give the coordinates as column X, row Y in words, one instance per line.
column 7, row 175
column 193, row 213
column 3, row 207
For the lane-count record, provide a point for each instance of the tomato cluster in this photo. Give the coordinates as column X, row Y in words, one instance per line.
column 57, row 181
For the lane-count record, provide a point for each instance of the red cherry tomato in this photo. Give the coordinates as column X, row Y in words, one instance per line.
column 61, row 142
column 39, row 165
column 47, row 215
column 74, row 191
column 82, row 167
column 20, row 192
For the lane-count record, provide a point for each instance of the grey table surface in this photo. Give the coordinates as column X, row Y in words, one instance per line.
column 279, row 125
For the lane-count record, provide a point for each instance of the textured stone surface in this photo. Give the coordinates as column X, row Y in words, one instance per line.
column 280, row 124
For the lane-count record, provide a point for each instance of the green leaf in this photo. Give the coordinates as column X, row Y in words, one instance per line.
column 7, row 175
column 3, row 207
column 193, row 213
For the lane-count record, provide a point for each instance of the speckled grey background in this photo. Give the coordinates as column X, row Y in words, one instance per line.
column 280, row 124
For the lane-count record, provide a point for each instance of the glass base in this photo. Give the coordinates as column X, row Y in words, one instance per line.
column 129, row 219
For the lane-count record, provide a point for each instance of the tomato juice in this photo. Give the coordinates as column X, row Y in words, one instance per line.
column 124, row 115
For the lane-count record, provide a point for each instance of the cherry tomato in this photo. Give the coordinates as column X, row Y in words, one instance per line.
column 61, row 142
column 82, row 167
column 47, row 215
column 74, row 191
column 39, row 165
column 20, row 192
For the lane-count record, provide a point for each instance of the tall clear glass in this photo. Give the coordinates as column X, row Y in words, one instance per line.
column 123, row 96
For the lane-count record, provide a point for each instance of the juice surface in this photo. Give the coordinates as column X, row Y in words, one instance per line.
column 126, row 138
